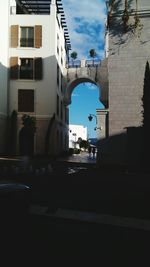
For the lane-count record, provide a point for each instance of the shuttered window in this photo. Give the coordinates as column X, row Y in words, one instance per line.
column 26, row 68
column 57, row 105
column 14, row 68
column 30, row 68
column 25, row 100
column 38, row 68
column 58, row 75
column 38, row 36
column 29, row 36
column 14, row 35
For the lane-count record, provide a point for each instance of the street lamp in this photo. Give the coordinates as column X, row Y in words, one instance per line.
column 98, row 128
column 90, row 117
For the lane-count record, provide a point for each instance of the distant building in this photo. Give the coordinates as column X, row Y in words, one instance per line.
column 76, row 132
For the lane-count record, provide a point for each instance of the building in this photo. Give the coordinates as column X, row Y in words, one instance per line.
column 33, row 53
column 127, row 52
column 76, row 132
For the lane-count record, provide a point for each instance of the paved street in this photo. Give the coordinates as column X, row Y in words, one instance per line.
column 82, row 217
column 83, row 157
column 54, row 241
column 102, row 220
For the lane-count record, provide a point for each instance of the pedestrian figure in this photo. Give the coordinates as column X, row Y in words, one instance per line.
column 93, row 151
column 89, row 150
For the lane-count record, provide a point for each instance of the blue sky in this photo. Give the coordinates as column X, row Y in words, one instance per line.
column 86, row 24
column 85, row 21
column 85, row 100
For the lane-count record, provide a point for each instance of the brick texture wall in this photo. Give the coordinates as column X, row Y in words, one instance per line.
column 128, row 53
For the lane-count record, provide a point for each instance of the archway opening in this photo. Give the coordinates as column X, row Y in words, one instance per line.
column 84, row 101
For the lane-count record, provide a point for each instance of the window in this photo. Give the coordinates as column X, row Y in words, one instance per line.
column 25, row 100
column 57, row 105
column 57, row 50
column 30, row 36
column 61, row 114
column 61, row 82
column 57, row 75
column 38, row 68
column 57, row 39
column 14, row 68
column 57, row 44
column 26, row 68
column 27, row 37
column 29, row 68
column 61, row 55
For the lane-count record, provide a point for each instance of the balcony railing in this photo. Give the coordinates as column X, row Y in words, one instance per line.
column 74, row 64
column 92, row 62
column 87, row 63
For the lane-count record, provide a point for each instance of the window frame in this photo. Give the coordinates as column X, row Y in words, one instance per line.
column 27, row 36
column 57, row 105
column 21, row 71
column 22, row 103
column 16, row 69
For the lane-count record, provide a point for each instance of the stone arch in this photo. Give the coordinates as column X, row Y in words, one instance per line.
column 75, row 82
column 95, row 74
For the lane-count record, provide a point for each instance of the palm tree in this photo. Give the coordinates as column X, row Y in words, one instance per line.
column 111, row 6
column 73, row 56
column 125, row 16
column 92, row 54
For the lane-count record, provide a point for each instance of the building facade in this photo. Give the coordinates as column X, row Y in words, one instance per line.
column 34, row 47
column 76, row 132
column 127, row 52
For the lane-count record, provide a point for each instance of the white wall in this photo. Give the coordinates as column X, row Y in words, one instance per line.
column 3, row 56
column 4, row 8
column 79, row 130
column 46, row 90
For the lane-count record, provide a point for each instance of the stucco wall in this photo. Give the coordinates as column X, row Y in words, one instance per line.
column 47, row 89
column 4, row 11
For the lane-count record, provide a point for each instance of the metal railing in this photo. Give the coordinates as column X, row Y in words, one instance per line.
column 74, row 64
column 92, row 62
column 88, row 63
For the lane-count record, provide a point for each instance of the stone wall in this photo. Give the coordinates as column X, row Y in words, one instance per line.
column 128, row 54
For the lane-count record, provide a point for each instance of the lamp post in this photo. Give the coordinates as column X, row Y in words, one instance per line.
column 98, row 128
column 90, row 117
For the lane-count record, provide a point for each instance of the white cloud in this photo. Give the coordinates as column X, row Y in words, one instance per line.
column 91, row 86
column 85, row 20
column 74, row 95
